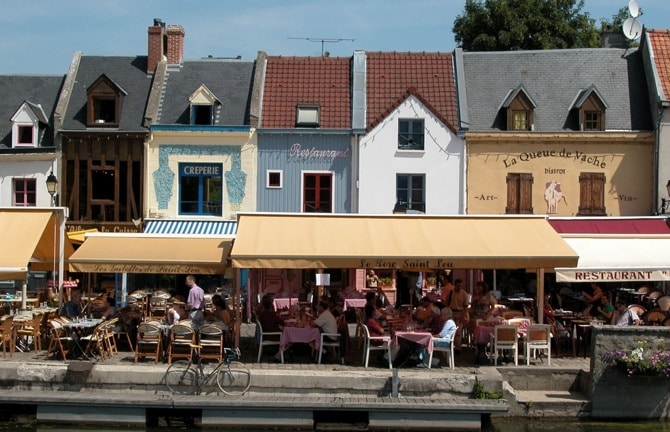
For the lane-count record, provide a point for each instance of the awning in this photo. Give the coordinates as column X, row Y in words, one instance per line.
column 77, row 237
column 410, row 242
column 226, row 228
column 29, row 239
column 618, row 259
column 146, row 253
column 612, row 225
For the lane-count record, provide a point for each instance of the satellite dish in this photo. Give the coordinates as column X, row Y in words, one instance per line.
column 633, row 8
column 632, row 28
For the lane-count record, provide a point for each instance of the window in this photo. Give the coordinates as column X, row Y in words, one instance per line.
column 24, row 193
column 317, row 193
column 411, row 191
column 25, row 135
column 519, row 110
column 519, row 193
column 519, row 120
column 592, row 194
column 410, row 134
column 592, row 121
column 200, row 189
column 273, row 179
column 202, row 115
column 308, row 116
column 104, row 103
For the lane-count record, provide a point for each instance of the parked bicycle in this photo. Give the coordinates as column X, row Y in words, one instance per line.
column 189, row 377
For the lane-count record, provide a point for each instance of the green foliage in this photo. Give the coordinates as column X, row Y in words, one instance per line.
column 479, row 392
column 505, row 25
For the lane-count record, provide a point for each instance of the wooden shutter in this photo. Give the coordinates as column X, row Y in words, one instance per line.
column 592, row 194
column 519, row 193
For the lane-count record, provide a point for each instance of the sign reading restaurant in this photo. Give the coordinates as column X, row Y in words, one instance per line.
column 576, row 275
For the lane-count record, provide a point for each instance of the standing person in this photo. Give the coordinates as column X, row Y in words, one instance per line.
column 457, row 301
column 593, row 298
column 373, row 279
column 447, row 287
column 195, row 302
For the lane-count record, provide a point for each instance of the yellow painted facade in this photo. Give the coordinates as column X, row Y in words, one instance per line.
column 555, row 162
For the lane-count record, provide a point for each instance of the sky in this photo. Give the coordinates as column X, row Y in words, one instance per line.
column 41, row 36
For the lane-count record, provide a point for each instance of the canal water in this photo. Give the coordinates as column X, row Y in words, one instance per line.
column 498, row 425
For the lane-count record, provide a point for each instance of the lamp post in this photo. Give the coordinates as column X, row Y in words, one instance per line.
column 52, row 186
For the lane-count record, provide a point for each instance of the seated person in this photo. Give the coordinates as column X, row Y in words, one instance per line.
column 426, row 312
column 221, row 311
column 371, row 322
column 325, row 320
column 73, row 308
column 269, row 320
column 445, row 335
column 177, row 311
column 606, row 310
column 111, row 311
column 623, row 316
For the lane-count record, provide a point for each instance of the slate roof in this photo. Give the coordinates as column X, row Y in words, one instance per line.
column 36, row 89
column 129, row 73
column 660, row 45
column 392, row 76
column 554, row 80
column 229, row 80
column 290, row 81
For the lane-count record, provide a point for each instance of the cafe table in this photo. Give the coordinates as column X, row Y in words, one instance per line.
column 421, row 337
column 280, row 303
column 80, row 327
column 301, row 333
column 354, row 303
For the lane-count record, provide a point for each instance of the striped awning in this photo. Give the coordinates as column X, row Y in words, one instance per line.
column 209, row 228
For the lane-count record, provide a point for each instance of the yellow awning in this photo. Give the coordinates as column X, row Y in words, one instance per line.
column 29, row 236
column 77, row 237
column 409, row 242
column 146, row 253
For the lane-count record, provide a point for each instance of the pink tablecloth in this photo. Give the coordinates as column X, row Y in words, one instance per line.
column 422, row 338
column 354, row 303
column 484, row 331
column 299, row 335
column 284, row 303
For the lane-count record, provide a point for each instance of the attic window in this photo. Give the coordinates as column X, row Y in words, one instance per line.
column 308, row 116
column 104, row 103
column 591, row 107
column 410, row 134
column 202, row 115
column 24, row 136
column 203, row 106
column 519, row 114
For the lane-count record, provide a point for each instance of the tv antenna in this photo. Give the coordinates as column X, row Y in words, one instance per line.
column 632, row 28
column 323, row 41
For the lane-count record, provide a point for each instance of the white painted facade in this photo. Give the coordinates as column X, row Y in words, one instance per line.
column 442, row 162
column 26, row 166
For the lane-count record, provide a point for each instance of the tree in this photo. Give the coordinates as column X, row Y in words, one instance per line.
column 504, row 25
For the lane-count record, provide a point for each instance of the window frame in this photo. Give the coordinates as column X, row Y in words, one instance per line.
column 414, row 140
column 328, row 192
column 408, row 198
column 196, row 115
column 25, row 192
column 308, row 115
column 202, row 203
column 519, row 193
column 100, row 91
column 519, row 104
column 593, row 105
column 268, row 179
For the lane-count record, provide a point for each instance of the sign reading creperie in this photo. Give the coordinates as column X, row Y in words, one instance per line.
column 576, row 275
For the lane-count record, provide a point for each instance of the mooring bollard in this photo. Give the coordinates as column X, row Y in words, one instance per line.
column 395, row 382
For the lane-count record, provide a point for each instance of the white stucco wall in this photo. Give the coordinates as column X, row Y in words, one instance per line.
column 663, row 160
column 13, row 167
column 442, row 163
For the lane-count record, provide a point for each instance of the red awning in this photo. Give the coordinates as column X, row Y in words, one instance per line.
column 612, row 225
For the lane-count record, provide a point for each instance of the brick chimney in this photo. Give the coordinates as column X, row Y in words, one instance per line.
column 165, row 43
column 157, row 45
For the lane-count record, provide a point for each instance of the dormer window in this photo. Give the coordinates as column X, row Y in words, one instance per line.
column 203, row 106
column 104, row 99
column 28, row 125
column 519, row 108
column 308, row 115
column 590, row 107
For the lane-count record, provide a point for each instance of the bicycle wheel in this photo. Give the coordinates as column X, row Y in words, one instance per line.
column 234, row 380
column 182, row 377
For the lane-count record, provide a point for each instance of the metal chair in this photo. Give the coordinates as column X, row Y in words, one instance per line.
column 384, row 344
column 505, row 337
column 538, row 337
column 264, row 341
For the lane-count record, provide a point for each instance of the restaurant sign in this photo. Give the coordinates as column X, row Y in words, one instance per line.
column 157, row 268
column 612, row 275
column 406, row 264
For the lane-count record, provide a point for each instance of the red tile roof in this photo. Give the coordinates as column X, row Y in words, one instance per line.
column 660, row 43
column 290, row 81
column 393, row 76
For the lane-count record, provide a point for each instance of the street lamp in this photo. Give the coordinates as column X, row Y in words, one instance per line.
column 52, row 185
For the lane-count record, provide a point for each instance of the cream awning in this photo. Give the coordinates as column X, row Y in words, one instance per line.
column 410, row 242
column 621, row 258
column 146, row 253
column 77, row 237
column 30, row 241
